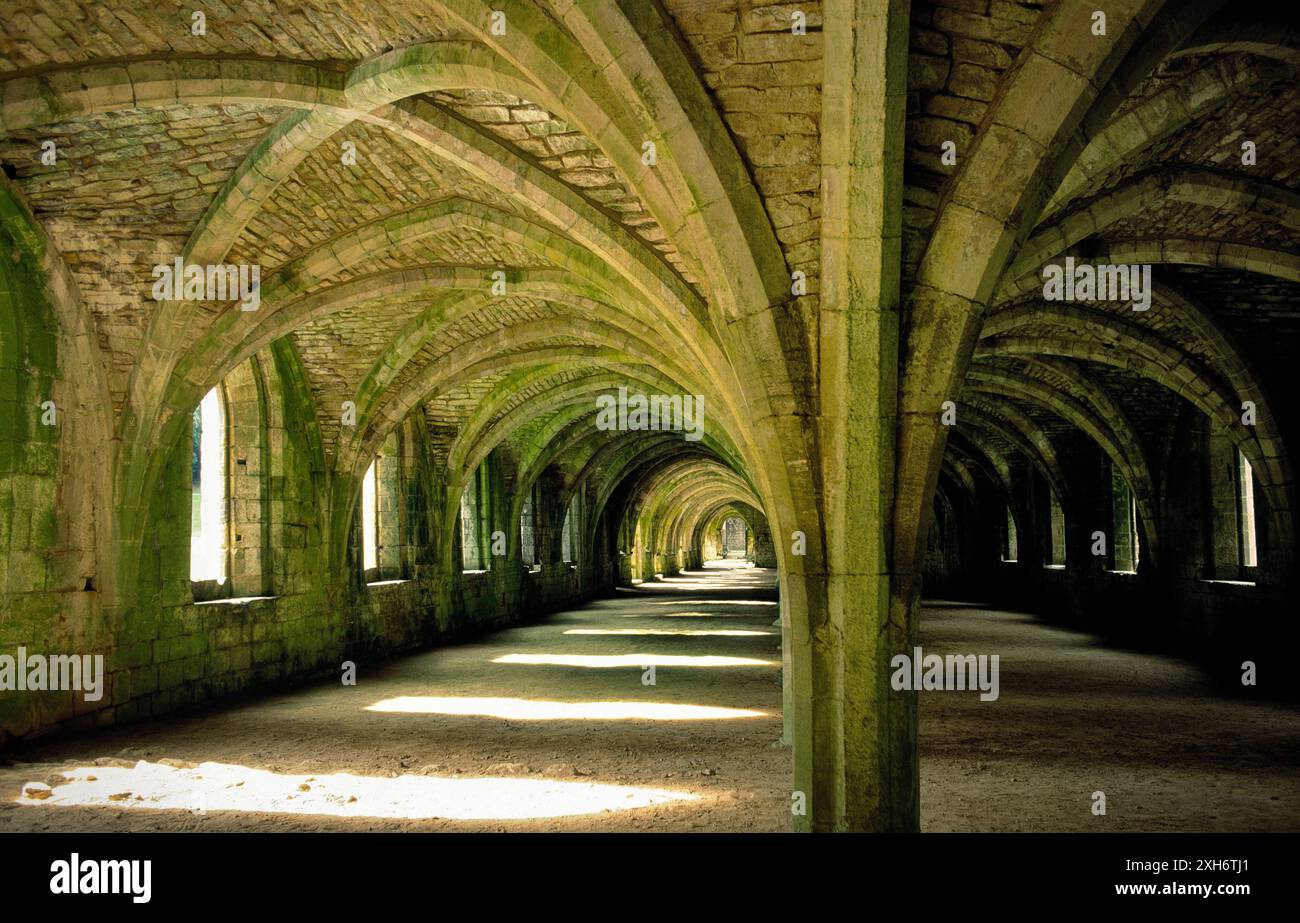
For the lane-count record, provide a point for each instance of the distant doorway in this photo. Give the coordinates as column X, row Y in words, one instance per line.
column 734, row 538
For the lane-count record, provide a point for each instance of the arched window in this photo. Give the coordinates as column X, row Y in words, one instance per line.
column 370, row 519
column 471, row 557
column 1010, row 541
column 528, row 528
column 1246, row 512
column 1124, row 525
column 1232, row 549
column 568, row 533
column 1058, row 530
column 208, row 506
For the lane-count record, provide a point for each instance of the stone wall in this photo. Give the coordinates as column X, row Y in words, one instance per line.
column 164, row 651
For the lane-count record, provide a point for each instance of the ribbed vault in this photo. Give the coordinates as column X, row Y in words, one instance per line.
column 478, row 225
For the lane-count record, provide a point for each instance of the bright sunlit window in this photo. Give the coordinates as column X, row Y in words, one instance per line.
column 471, row 554
column 369, row 520
column 1246, row 511
column 208, row 490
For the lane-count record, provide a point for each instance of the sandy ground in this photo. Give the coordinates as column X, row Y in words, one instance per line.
column 550, row 727
column 1073, row 718
column 698, row 771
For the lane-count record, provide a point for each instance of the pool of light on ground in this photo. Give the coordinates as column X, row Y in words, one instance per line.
column 541, row 710
column 227, row 787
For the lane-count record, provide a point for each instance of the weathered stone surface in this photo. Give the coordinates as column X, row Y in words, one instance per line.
column 469, row 241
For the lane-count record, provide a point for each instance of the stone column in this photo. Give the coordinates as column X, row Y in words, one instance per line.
column 763, row 550
column 864, row 772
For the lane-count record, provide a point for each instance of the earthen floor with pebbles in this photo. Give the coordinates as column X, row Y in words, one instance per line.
column 562, row 726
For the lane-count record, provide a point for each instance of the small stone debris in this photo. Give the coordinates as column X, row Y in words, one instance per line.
column 304, row 787
column 120, row 796
column 37, row 791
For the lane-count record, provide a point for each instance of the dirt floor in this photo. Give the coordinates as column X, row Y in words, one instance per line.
column 711, row 760
column 1074, row 717
column 553, row 727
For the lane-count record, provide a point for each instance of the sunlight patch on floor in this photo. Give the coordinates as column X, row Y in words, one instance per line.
column 226, row 787
column 685, row 632
column 673, row 584
column 635, row 661
column 538, row 710
column 711, row 602
column 688, row 615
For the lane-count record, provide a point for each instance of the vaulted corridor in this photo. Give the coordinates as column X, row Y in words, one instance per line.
column 429, row 350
